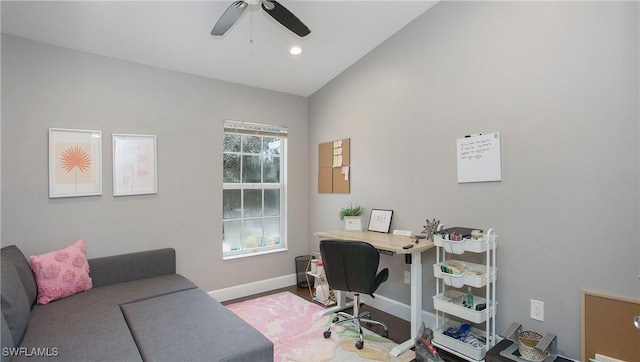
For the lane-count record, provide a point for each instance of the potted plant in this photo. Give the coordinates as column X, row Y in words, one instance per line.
column 352, row 217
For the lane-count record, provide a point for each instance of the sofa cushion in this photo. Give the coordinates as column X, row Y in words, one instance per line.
column 11, row 254
column 79, row 332
column 135, row 290
column 61, row 273
column 123, row 268
column 192, row 326
column 94, row 319
column 15, row 303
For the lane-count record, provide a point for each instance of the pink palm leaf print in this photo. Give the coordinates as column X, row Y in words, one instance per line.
column 77, row 158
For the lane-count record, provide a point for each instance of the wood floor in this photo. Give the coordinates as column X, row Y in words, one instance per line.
column 399, row 329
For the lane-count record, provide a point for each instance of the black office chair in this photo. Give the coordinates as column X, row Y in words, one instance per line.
column 352, row 266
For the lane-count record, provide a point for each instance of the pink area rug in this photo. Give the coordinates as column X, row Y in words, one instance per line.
column 295, row 327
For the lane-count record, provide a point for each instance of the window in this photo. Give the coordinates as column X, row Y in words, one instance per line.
column 253, row 207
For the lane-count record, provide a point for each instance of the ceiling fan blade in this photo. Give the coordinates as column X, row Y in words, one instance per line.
column 285, row 17
column 229, row 18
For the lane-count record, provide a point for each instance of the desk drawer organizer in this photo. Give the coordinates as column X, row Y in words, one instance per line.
column 451, row 272
column 459, row 247
column 471, row 274
column 446, row 302
column 472, row 351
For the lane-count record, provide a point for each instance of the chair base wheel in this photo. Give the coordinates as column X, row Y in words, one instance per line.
column 327, row 334
column 359, row 344
column 385, row 333
column 335, row 319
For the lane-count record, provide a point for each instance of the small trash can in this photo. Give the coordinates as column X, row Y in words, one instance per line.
column 301, row 271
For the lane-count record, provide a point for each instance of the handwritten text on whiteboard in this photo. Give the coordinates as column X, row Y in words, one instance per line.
column 479, row 158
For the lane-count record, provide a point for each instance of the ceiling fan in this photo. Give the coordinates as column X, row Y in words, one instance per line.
column 272, row 7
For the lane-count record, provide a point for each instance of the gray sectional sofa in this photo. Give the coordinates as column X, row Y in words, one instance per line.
column 138, row 309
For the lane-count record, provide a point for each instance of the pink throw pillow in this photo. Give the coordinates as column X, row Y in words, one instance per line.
column 61, row 273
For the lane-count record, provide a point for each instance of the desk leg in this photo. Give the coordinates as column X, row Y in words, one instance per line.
column 416, row 303
column 340, row 306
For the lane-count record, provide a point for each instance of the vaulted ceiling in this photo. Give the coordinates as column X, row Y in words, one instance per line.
column 175, row 35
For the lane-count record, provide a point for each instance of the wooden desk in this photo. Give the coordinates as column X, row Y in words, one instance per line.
column 381, row 241
column 392, row 243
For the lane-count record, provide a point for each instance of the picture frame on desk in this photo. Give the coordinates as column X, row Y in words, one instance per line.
column 380, row 220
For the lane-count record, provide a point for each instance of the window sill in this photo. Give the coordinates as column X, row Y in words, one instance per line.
column 255, row 253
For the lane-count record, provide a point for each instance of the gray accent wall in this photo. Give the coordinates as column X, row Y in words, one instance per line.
column 45, row 86
column 559, row 81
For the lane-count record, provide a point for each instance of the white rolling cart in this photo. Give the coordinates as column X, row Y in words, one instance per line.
column 454, row 279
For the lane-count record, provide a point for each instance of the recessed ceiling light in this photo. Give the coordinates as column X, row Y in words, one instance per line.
column 295, row 50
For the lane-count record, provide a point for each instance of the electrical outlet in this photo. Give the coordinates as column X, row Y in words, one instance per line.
column 537, row 310
column 407, row 277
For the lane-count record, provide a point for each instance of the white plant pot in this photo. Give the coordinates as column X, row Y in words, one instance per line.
column 353, row 223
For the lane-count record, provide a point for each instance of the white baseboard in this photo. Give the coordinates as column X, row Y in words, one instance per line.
column 393, row 307
column 244, row 290
column 397, row 309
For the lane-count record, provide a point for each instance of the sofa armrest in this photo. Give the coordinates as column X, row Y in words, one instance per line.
column 127, row 267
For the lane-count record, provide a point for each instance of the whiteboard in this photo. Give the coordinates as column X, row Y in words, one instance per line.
column 479, row 158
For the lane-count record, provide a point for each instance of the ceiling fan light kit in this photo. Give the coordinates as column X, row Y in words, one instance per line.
column 272, row 7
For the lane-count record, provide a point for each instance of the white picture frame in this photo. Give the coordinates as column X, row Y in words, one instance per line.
column 380, row 220
column 135, row 165
column 75, row 162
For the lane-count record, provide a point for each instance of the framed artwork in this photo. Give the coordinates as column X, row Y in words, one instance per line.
column 380, row 220
column 75, row 162
column 135, row 167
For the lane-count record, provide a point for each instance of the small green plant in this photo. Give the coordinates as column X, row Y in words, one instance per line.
column 351, row 211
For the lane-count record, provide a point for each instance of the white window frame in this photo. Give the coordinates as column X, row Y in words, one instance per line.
column 256, row 129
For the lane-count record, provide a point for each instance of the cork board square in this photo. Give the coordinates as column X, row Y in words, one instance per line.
column 325, row 180
column 340, row 185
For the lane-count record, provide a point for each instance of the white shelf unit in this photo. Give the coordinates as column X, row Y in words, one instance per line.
column 451, row 288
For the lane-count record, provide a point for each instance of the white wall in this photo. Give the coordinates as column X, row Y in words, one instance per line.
column 45, row 86
column 559, row 81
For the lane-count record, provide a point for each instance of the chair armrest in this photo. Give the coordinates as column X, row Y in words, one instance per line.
column 127, row 267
